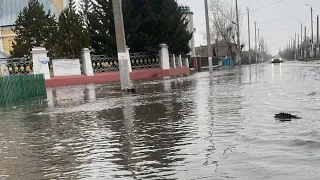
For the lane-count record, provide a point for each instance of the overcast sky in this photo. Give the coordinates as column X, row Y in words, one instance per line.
column 277, row 22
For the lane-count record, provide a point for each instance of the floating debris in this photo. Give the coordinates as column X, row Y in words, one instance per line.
column 286, row 116
column 312, row 94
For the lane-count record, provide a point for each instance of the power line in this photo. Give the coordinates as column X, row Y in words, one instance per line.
column 268, row 5
column 220, row 9
column 288, row 17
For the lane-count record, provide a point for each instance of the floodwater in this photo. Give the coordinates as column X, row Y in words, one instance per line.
column 202, row 126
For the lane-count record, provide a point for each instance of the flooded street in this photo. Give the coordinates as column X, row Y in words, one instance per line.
column 203, row 126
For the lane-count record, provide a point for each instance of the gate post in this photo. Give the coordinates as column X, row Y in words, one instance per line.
column 40, row 61
column 164, row 56
column 180, row 61
column 186, row 62
column 174, row 61
column 87, row 63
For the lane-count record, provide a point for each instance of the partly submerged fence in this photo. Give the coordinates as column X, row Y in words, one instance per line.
column 18, row 82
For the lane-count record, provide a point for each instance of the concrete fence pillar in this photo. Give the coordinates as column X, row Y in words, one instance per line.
column 86, row 62
column 129, row 61
column 40, row 61
column 180, row 61
column 174, row 61
column 186, row 62
column 164, row 56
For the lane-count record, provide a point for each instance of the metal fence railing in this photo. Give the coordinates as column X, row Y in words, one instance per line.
column 104, row 63
column 144, row 60
column 16, row 66
column 141, row 60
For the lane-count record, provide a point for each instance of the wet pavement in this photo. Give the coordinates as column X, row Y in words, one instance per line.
column 218, row 126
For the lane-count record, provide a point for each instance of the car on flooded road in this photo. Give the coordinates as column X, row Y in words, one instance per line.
column 276, row 60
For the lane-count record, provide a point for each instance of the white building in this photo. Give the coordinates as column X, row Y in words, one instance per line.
column 189, row 18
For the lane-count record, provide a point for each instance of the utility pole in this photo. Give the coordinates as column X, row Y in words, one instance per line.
column 262, row 50
column 305, row 40
column 312, row 48
column 121, row 46
column 287, row 52
column 295, row 45
column 255, row 40
column 301, row 46
column 258, row 44
column 248, row 9
column 208, row 36
column 298, row 47
column 290, row 47
column 317, row 46
column 238, row 34
column 301, row 42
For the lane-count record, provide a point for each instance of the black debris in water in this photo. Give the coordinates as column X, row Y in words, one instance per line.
column 286, row 116
column 131, row 90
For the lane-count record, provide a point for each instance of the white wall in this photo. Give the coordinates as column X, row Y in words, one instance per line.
column 190, row 28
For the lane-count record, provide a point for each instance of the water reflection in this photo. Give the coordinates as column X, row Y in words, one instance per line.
column 277, row 72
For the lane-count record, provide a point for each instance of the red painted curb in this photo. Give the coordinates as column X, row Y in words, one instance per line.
column 100, row 78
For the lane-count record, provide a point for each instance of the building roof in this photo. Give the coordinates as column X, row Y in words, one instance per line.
column 3, row 55
column 9, row 10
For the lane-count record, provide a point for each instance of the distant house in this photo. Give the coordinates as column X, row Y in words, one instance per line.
column 245, row 56
column 220, row 50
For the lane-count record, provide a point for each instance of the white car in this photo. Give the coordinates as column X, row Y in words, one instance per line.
column 276, row 60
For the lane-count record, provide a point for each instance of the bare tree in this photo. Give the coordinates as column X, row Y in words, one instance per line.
column 223, row 25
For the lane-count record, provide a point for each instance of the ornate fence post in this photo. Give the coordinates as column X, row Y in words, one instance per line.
column 129, row 62
column 180, row 61
column 186, row 62
column 87, row 63
column 40, row 61
column 174, row 61
column 164, row 56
